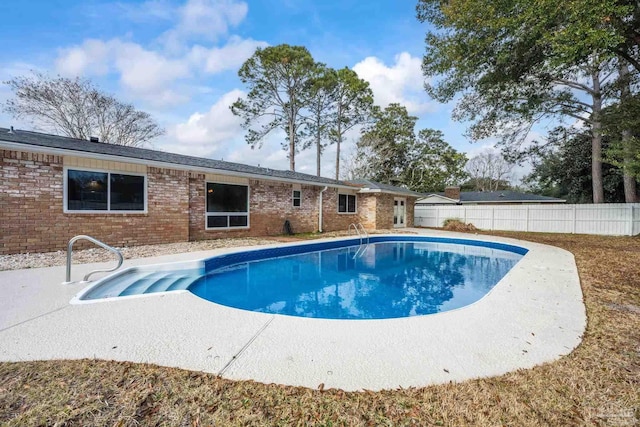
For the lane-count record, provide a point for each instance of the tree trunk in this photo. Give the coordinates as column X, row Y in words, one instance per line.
column 596, row 139
column 339, row 135
column 292, row 142
column 630, row 193
column 630, row 189
column 319, row 151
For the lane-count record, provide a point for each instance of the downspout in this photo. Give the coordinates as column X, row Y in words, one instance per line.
column 320, row 209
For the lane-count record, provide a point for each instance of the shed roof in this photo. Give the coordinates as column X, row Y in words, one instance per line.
column 505, row 196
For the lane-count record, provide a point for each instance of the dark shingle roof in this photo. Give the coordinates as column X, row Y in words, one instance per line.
column 502, row 197
column 60, row 142
column 366, row 183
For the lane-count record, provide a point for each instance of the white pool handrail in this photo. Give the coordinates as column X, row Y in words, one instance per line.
column 97, row 242
column 362, row 234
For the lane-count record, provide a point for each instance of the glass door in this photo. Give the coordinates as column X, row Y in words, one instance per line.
column 399, row 212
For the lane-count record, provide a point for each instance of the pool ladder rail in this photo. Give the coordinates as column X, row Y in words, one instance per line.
column 362, row 235
column 91, row 273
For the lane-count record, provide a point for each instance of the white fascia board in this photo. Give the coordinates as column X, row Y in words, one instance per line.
column 448, row 199
column 10, row 145
column 378, row 190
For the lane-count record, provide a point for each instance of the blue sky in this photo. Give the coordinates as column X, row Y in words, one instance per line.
column 178, row 60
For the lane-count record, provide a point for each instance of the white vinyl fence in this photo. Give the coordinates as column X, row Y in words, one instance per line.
column 615, row 219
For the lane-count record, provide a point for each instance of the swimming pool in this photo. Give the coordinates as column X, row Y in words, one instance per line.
column 384, row 277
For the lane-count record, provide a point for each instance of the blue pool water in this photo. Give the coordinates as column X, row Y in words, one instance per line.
column 382, row 280
column 392, row 276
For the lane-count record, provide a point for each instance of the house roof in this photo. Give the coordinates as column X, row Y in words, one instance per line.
column 500, row 197
column 100, row 148
column 368, row 185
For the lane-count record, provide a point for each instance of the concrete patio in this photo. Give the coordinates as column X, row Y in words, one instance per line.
column 535, row 314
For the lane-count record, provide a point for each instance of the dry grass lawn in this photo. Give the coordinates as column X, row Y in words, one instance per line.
column 598, row 384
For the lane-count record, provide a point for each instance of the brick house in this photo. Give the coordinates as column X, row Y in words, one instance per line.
column 53, row 188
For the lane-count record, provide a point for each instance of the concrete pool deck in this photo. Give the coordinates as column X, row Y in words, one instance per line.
column 535, row 314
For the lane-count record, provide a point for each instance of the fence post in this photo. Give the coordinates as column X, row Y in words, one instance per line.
column 437, row 216
column 526, row 224
column 493, row 217
column 630, row 223
column 573, row 228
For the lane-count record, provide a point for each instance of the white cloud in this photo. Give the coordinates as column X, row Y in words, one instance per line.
column 228, row 57
column 204, row 19
column 402, row 82
column 89, row 58
column 155, row 74
column 144, row 74
column 146, row 71
column 211, row 17
column 207, row 134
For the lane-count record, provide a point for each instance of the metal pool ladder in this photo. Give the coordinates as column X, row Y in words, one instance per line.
column 97, row 242
column 362, row 235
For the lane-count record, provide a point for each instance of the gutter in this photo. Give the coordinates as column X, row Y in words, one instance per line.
column 320, row 209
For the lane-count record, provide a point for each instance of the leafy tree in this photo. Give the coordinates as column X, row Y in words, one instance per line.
column 78, row 109
column 277, row 77
column 516, row 63
column 432, row 164
column 390, row 152
column 562, row 169
column 388, row 138
column 353, row 103
column 320, row 102
column 622, row 127
column 489, row 171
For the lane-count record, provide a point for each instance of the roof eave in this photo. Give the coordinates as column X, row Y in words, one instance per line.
column 396, row 193
column 11, row 145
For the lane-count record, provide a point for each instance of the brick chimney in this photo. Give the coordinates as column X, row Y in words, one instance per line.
column 452, row 193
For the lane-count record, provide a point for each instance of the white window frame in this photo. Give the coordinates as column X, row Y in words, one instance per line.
column 404, row 216
column 347, row 205
column 108, row 211
column 227, row 214
column 294, row 198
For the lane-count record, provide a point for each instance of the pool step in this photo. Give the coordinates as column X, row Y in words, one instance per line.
column 139, row 281
column 117, row 285
column 161, row 281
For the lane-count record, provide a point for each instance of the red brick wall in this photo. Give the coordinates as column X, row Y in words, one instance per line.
column 331, row 219
column 384, row 210
column 411, row 204
column 270, row 204
column 32, row 217
column 367, row 210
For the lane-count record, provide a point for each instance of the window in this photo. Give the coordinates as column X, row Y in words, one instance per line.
column 346, row 203
column 104, row 192
column 297, row 197
column 227, row 206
